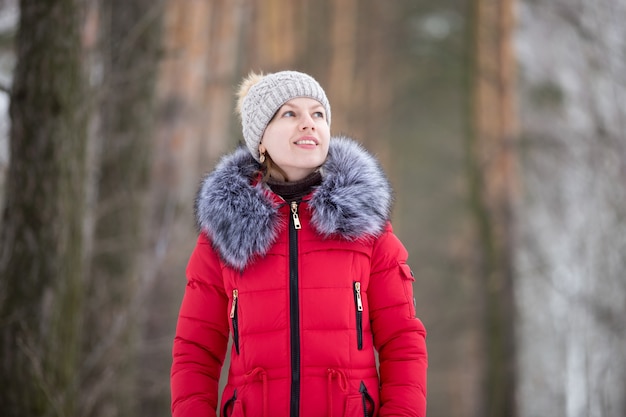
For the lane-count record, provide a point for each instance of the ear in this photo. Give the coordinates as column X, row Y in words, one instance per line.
column 262, row 148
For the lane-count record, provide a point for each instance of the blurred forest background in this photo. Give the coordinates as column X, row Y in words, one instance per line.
column 501, row 124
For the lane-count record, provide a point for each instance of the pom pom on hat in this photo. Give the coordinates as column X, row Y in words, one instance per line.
column 260, row 96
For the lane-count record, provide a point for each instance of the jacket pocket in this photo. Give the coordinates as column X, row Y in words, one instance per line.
column 358, row 305
column 361, row 404
column 407, row 281
column 233, row 407
column 369, row 407
column 234, row 317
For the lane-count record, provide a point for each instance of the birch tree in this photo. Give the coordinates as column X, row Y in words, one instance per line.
column 571, row 287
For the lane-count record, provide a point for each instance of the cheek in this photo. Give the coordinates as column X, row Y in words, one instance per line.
column 324, row 131
column 326, row 138
column 324, row 150
column 325, row 155
column 271, row 138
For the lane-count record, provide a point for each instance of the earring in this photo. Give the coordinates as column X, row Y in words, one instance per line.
column 262, row 157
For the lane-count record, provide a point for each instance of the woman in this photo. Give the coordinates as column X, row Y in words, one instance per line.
column 297, row 262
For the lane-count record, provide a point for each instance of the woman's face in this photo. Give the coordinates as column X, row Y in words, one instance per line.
column 297, row 137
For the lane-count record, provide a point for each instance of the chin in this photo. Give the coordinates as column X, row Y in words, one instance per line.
column 314, row 162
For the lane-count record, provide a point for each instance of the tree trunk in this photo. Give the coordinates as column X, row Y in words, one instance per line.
column 196, row 101
column 129, row 54
column 492, row 176
column 572, row 216
column 41, row 255
column 342, row 66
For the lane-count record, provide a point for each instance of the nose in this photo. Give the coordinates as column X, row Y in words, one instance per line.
column 307, row 122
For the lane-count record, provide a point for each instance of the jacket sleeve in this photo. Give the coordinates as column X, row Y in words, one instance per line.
column 399, row 337
column 201, row 336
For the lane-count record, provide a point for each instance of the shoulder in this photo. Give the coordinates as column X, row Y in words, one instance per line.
column 388, row 250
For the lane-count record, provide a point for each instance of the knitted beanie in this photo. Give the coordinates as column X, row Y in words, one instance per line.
column 266, row 95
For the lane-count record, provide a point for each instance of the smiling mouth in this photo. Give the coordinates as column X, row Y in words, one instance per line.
column 306, row 142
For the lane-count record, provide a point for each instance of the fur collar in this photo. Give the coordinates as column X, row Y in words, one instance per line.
column 353, row 202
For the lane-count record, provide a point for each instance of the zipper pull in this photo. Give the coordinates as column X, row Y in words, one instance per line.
column 232, row 309
column 359, row 302
column 294, row 212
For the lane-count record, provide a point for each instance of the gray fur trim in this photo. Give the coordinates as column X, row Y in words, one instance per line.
column 352, row 202
column 239, row 218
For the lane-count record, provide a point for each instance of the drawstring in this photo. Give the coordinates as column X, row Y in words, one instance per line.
column 342, row 382
column 251, row 376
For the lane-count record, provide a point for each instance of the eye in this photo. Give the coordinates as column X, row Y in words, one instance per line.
column 289, row 113
column 318, row 115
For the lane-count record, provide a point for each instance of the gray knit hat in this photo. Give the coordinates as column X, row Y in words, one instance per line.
column 262, row 96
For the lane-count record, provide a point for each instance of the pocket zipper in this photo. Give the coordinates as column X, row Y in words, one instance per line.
column 227, row 404
column 358, row 302
column 367, row 400
column 234, row 318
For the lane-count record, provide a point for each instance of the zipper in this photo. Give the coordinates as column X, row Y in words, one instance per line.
column 294, row 309
column 358, row 304
column 230, row 401
column 367, row 400
column 235, row 321
column 294, row 215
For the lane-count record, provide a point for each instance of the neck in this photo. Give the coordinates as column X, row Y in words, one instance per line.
column 295, row 190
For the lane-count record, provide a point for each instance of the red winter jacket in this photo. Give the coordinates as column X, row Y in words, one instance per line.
column 306, row 307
